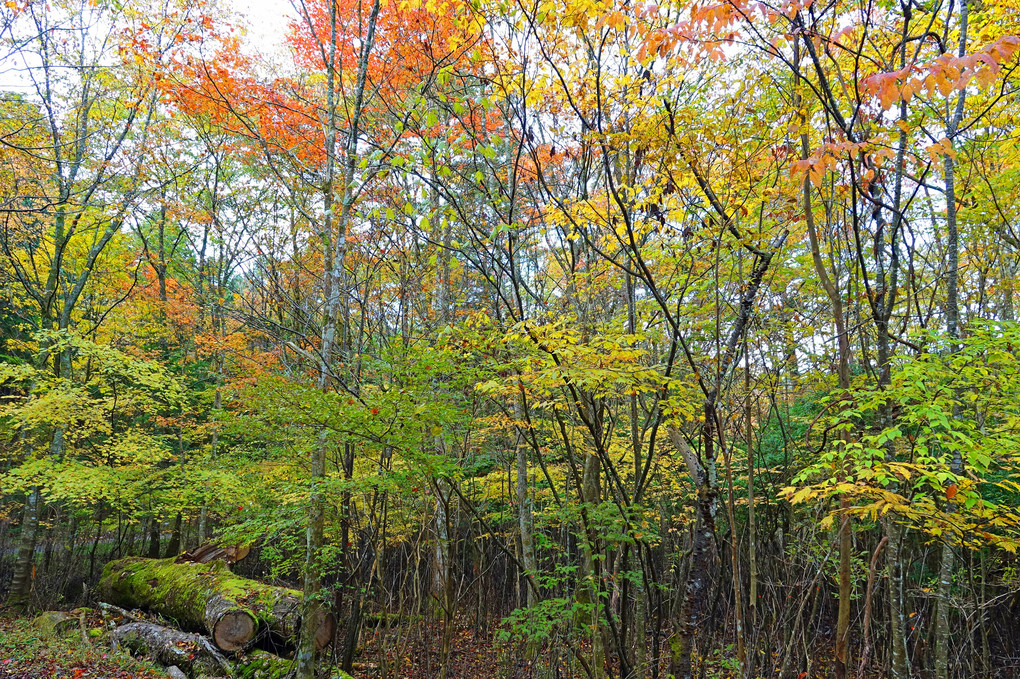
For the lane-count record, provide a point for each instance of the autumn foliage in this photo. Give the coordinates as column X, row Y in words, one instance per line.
column 580, row 338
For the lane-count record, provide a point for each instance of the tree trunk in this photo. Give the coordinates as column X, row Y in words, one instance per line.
column 154, row 527
column 945, row 586
column 334, row 239
column 589, row 573
column 525, row 519
column 203, row 519
column 173, row 548
column 640, row 599
column 21, row 584
column 703, row 555
column 96, row 540
column 752, row 536
column 832, row 290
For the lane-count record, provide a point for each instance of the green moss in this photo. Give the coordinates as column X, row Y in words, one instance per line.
column 53, row 623
column 262, row 665
column 179, row 592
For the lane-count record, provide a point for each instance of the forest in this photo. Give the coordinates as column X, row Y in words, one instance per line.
column 561, row 339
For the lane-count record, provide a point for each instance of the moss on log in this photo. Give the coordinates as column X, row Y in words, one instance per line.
column 262, row 665
column 208, row 597
column 198, row 598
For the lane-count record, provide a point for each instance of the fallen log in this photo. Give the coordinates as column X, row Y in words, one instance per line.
column 208, row 597
column 199, row 598
column 193, row 654
column 278, row 611
column 209, row 552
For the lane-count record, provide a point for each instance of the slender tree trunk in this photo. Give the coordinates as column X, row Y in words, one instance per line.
column 1007, row 276
column 738, row 595
column 525, row 520
column 49, row 539
column 898, row 659
column 442, row 574
column 203, row 514
column 129, row 547
column 588, row 591
column 203, row 520
column 697, row 588
column 640, row 597
column 334, row 243
column 832, row 291
column 100, row 515
column 21, row 584
column 752, row 536
column 866, row 645
column 311, row 603
column 954, row 117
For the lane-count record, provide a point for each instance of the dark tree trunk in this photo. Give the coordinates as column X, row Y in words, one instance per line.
column 154, row 538
column 173, row 548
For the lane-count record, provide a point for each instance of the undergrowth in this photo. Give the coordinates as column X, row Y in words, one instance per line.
column 30, row 651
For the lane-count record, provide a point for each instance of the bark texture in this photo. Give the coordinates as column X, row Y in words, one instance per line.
column 192, row 654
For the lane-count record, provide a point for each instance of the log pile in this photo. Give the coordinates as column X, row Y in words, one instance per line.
column 204, row 598
column 198, row 597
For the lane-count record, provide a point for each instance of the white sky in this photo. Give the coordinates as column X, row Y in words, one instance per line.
column 266, row 22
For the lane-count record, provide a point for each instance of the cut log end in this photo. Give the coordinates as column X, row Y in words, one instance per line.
column 234, row 630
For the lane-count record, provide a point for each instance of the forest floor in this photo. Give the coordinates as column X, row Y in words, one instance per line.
column 30, row 650
column 415, row 653
column 34, row 648
column 76, row 647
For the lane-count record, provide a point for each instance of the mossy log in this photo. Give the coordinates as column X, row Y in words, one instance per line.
column 208, row 597
column 54, row 623
column 198, row 598
column 262, row 665
column 189, row 652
